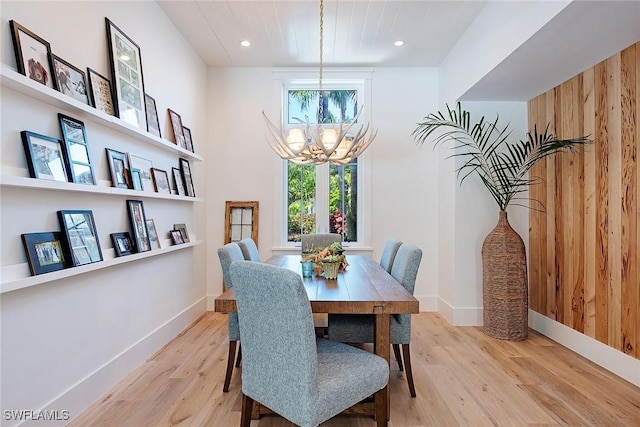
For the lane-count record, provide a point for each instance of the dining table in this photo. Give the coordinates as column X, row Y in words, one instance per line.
column 363, row 287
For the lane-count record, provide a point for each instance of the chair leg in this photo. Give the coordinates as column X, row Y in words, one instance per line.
column 247, row 406
column 407, row 363
column 396, row 353
column 230, row 359
column 239, row 359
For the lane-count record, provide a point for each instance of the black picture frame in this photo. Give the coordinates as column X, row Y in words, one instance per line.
column 100, row 92
column 76, row 150
column 154, row 240
column 33, row 54
column 176, row 237
column 46, row 252
column 69, row 79
column 182, row 228
column 153, row 123
column 122, row 244
column 127, row 76
column 138, row 222
column 119, row 168
column 178, row 181
column 160, row 181
column 187, row 139
column 81, row 236
column 185, row 170
column 45, row 156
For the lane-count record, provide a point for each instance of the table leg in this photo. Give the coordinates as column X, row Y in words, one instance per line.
column 382, row 349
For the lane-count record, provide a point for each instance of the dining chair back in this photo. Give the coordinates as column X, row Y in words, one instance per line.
column 228, row 254
column 314, row 241
column 249, row 249
column 359, row 328
column 389, row 254
column 305, row 379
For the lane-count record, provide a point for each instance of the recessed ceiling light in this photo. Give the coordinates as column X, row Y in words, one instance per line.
column 398, row 43
column 245, row 43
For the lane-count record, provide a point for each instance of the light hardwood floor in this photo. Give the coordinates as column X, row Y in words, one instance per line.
column 462, row 378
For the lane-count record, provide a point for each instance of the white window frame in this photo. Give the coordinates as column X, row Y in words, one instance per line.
column 360, row 80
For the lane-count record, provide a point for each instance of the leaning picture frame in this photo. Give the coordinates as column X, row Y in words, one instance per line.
column 32, row 54
column 100, row 92
column 176, row 237
column 187, row 139
column 154, row 240
column 176, row 126
column 178, row 180
column 127, row 76
column 45, row 156
column 185, row 169
column 119, row 168
column 160, row 181
column 46, row 252
column 153, row 124
column 81, row 235
column 144, row 167
column 69, row 79
column 182, row 228
column 76, row 150
column 138, row 222
column 122, row 244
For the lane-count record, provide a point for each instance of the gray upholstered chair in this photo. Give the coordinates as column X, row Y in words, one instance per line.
column 359, row 328
column 389, row 254
column 249, row 249
column 313, row 241
column 305, row 379
column 229, row 254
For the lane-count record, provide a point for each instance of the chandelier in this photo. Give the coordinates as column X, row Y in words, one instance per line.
column 320, row 143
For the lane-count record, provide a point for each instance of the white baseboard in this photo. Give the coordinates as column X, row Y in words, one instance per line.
column 81, row 395
column 460, row 316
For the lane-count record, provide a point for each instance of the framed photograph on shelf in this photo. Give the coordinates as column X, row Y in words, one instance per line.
column 46, row 252
column 136, row 181
column 182, row 228
column 76, row 150
column 100, row 92
column 138, row 223
column 127, row 77
column 122, row 244
column 160, row 181
column 119, row 168
column 176, row 126
column 153, row 124
column 82, row 237
column 144, row 166
column 176, row 237
column 154, row 241
column 32, row 54
column 187, row 139
column 69, row 80
column 185, row 169
column 45, row 156
column 178, row 181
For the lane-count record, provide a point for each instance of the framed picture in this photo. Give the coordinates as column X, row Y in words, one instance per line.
column 69, row 80
column 176, row 237
column 45, row 157
column 176, row 126
column 187, row 139
column 160, row 181
column 153, row 124
column 127, row 78
column 136, row 181
column 154, row 241
column 122, row 244
column 138, row 222
column 185, row 169
column 144, row 166
column 119, row 168
column 76, row 150
column 82, row 237
column 32, row 54
column 182, row 228
column 46, row 252
column 178, row 181
column 100, row 92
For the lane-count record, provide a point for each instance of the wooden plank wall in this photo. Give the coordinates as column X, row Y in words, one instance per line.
column 584, row 248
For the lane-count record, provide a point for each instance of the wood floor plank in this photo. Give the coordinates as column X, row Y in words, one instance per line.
column 462, row 378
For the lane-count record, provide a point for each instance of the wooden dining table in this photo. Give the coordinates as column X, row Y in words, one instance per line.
column 363, row 288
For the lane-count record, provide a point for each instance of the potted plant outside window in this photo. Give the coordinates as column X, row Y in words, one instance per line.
column 503, row 168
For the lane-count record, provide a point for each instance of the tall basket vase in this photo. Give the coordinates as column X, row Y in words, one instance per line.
column 504, row 283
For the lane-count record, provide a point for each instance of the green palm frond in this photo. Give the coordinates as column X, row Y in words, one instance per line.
column 502, row 166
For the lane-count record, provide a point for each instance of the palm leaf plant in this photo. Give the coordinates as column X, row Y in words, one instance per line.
column 501, row 165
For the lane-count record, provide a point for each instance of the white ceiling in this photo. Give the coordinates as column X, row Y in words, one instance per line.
column 362, row 32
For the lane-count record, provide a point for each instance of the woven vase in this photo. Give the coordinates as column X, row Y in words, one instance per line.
column 504, row 283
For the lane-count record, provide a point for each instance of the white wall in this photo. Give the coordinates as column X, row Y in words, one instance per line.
column 65, row 343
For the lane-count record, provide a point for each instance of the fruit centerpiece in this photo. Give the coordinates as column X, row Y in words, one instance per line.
column 327, row 260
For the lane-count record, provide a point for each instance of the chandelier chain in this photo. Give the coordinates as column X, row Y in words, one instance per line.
column 321, row 118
